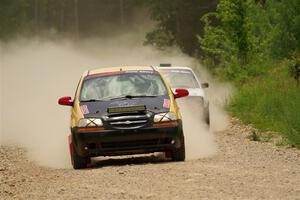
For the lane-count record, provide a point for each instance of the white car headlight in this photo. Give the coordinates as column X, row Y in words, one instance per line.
column 90, row 122
column 165, row 117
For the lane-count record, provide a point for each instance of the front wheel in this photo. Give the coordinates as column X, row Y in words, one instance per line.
column 179, row 154
column 78, row 161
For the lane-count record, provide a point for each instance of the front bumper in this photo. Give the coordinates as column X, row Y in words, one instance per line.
column 124, row 142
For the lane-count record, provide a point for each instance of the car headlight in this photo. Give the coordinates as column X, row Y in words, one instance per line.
column 90, row 122
column 165, row 117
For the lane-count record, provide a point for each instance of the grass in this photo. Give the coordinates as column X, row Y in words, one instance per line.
column 254, row 136
column 271, row 103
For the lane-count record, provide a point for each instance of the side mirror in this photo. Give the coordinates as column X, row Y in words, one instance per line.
column 65, row 101
column 181, row 93
column 204, row 85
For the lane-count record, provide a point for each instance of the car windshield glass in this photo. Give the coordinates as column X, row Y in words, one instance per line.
column 122, row 85
column 180, row 78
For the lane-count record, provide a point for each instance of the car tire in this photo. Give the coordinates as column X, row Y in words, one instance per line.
column 179, row 154
column 207, row 116
column 78, row 161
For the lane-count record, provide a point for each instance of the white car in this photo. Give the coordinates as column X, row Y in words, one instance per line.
column 184, row 77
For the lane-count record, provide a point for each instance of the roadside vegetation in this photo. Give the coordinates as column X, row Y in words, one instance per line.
column 254, row 44
column 271, row 102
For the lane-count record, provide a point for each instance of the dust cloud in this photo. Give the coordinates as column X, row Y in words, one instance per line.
column 199, row 136
column 36, row 72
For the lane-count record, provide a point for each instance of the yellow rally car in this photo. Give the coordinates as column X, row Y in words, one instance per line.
column 124, row 110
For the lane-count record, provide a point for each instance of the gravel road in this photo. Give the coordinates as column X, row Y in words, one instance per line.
column 242, row 169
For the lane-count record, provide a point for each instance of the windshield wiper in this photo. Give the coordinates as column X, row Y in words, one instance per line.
column 91, row 100
column 133, row 96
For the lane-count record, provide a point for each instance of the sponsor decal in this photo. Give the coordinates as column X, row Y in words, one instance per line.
column 166, row 103
column 118, row 72
column 84, row 109
column 104, row 74
column 123, row 103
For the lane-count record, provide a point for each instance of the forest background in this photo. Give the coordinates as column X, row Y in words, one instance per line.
column 254, row 44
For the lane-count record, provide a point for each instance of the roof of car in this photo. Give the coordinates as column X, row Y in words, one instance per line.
column 175, row 67
column 118, row 68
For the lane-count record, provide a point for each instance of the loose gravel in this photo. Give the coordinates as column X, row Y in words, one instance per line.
column 242, row 169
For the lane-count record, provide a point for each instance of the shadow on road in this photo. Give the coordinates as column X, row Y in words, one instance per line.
column 126, row 160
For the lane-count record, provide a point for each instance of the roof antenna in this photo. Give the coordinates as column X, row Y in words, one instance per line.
column 165, row 65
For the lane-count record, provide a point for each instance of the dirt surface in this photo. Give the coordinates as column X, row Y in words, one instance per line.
column 242, row 169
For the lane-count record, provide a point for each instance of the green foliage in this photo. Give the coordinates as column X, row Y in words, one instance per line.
column 294, row 68
column 13, row 17
column 178, row 23
column 66, row 17
column 159, row 39
column 253, row 136
column 227, row 42
column 285, row 17
column 232, row 15
column 249, row 34
column 250, row 37
column 271, row 102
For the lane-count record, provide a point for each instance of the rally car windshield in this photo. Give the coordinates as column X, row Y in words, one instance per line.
column 180, row 78
column 131, row 85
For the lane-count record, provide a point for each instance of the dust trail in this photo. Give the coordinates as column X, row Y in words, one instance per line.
column 35, row 73
column 200, row 138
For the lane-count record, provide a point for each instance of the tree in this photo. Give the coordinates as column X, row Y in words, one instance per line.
column 13, row 17
column 228, row 41
column 82, row 18
column 285, row 17
column 178, row 23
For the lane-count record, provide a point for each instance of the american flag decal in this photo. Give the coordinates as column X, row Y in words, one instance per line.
column 84, row 109
column 166, row 103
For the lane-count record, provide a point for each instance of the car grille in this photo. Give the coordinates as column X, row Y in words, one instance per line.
column 127, row 121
